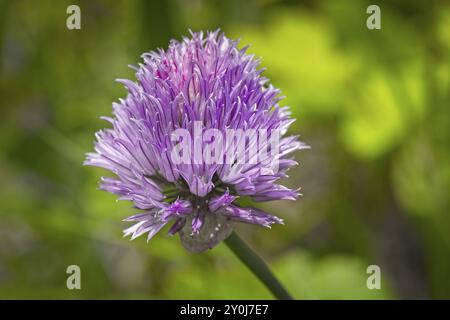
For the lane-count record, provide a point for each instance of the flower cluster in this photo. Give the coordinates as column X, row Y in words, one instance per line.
column 204, row 78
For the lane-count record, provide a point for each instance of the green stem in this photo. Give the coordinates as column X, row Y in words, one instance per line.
column 257, row 266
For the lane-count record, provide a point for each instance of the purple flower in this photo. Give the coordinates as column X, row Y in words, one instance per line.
column 206, row 81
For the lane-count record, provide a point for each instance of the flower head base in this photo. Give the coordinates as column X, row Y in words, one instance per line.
column 202, row 81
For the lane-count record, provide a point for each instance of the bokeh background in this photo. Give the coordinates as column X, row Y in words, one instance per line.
column 373, row 104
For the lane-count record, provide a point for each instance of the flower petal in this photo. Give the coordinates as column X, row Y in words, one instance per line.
column 250, row 215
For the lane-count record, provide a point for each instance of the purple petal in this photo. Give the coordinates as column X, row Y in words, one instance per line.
column 250, row 215
column 177, row 226
column 197, row 223
column 220, row 201
column 177, row 208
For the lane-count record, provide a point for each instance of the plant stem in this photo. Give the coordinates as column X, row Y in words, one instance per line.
column 257, row 266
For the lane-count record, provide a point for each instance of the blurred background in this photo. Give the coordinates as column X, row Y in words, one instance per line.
column 373, row 104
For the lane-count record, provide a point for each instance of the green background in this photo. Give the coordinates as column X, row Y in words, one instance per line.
column 373, row 104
